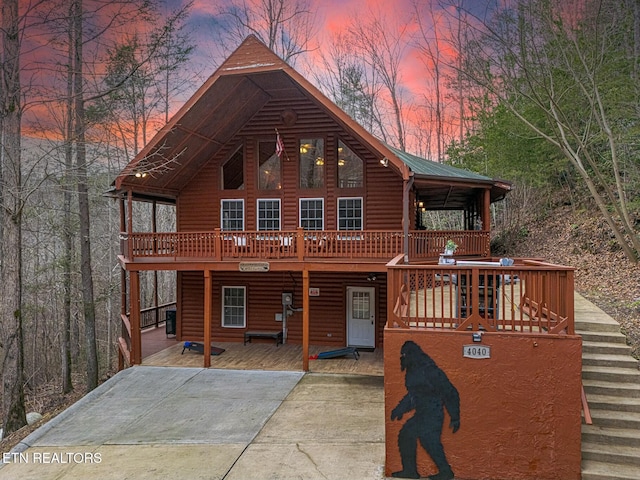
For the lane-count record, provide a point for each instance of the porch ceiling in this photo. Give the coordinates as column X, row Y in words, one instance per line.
column 454, row 195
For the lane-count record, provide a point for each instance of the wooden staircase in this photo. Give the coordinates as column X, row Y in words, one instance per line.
column 611, row 445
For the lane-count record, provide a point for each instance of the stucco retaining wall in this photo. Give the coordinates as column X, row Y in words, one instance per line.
column 520, row 409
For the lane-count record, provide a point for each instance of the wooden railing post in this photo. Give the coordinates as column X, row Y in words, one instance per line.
column 300, row 243
column 217, row 242
column 569, row 299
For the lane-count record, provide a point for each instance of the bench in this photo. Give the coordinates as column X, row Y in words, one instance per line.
column 277, row 336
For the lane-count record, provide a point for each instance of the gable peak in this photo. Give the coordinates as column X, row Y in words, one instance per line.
column 252, row 53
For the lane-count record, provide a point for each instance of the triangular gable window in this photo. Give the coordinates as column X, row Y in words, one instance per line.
column 233, row 171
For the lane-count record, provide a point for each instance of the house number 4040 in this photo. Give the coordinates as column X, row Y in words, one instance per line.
column 476, row 351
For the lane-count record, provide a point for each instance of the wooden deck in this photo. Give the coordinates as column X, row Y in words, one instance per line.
column 258, row 356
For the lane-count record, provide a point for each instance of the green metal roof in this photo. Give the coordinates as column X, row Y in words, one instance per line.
column 422, row 166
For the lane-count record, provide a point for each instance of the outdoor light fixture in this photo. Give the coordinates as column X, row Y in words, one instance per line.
column 372, row 277
column 385, row 162
column 477, row 337
column 141, row 174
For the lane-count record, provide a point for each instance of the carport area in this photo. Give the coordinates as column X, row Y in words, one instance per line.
column 162, row 422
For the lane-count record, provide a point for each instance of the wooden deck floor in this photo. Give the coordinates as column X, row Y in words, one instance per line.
column 260, row 356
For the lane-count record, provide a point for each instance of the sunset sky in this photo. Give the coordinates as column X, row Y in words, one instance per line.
column 332, row 17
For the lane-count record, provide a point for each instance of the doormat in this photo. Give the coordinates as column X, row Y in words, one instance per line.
column 366, row 349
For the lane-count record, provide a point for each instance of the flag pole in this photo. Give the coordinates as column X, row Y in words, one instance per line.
column 280, row 145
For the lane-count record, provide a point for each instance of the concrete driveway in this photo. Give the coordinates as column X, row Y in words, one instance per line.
column 191, row 423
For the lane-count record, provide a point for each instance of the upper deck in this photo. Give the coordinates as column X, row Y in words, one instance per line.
column 297, row 245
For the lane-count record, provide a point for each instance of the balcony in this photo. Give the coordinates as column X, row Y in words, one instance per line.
column 298, row 244
column 529, row 296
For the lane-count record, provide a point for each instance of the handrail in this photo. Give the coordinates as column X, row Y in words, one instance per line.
column 431, row 243
column 148, row 316
column 526, row 297
column 299, row 244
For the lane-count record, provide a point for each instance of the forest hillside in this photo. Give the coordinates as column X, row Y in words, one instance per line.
column 579, row 237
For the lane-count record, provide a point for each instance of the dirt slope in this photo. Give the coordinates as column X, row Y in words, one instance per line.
column 603, row 274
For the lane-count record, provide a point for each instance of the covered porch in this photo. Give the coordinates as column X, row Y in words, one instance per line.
column 160, row 351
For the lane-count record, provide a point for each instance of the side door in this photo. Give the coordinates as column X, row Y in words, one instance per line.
column 361, row 319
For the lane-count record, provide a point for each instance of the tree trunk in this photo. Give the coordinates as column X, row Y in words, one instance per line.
column 13, row 408
column 67, row 386
column 83, row 209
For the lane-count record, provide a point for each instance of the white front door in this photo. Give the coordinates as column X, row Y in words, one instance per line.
column 361, row 318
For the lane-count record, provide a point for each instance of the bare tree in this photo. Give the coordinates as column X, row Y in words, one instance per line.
column 91, row 352
column 555, row 65
column 429, row 45
column 67, row 225
column 381, row 43
column 13, row 407
column 349, row 83
column 143, row 76
column 287, row 27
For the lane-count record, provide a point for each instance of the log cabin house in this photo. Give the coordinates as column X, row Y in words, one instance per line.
column 317, row 220
column 295, row 224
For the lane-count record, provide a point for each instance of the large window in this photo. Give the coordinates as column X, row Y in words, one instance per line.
column 269, row 214
column 350, row 213
column 312, row 213
column 232, row 215
column 350, row 168
column 268, row 166
column 234, row 307
column 233, row 171
column 311, row 163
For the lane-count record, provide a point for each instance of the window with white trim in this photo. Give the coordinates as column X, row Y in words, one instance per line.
column 312, row 213
column 232, row 215
column 234, row 307
column 269, row 214
column 350, row 213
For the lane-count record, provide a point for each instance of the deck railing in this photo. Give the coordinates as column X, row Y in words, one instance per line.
column 529, row 296
column 153, row 316
column 300, row 244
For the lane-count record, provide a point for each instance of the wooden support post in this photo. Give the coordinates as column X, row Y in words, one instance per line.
column 129, row 225
column 405, row 217
column 207, row 318
column 136, row 335
column 124, row 302
column 486, row 211
column 305, row 320
column 154, row 229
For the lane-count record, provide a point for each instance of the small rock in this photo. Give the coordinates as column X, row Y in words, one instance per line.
column 33, row 417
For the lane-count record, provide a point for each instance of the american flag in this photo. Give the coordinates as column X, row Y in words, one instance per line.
column 279, row 146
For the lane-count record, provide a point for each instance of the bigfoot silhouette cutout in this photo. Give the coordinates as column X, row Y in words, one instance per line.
column 428, row 391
